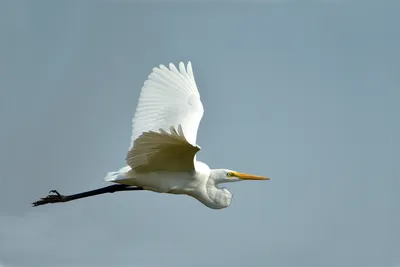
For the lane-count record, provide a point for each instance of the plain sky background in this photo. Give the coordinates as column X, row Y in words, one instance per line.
column 305, row 92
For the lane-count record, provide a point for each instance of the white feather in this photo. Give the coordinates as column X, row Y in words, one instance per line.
column 169, row 102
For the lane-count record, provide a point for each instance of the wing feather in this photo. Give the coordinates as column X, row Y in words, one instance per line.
column 169, row 101
column 162, row 151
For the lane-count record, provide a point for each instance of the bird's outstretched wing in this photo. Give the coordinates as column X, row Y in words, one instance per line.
column 162, row 151
column 169, row 102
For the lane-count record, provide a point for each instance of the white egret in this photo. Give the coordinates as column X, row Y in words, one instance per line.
column 162, row 154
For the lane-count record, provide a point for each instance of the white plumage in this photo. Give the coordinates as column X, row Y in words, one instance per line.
column 162, row 154
column 168, row 98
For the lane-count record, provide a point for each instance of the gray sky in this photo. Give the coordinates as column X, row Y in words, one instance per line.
column 306, row 93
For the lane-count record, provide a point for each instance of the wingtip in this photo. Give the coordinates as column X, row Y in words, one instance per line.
column 189, row 68
column 180, row 67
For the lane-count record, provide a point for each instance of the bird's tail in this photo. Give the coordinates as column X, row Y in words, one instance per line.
column 118, row 175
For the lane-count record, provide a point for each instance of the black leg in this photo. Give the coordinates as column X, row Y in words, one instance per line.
column 55, row 197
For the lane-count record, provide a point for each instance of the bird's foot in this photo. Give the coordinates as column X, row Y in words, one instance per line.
column 53, row 197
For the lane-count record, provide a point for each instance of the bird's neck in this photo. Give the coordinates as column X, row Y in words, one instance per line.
column 218, row 198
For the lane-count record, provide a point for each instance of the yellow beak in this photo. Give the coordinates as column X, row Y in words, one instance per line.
column 246, row 176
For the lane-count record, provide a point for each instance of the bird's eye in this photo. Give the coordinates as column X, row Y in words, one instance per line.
column 230, row 174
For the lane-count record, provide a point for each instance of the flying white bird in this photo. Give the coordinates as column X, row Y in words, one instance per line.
column 162, row 154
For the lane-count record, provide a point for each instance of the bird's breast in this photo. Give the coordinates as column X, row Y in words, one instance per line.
column 166, row 182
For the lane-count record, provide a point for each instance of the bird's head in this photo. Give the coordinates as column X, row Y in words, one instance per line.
column 227, row 176
column 218, row 198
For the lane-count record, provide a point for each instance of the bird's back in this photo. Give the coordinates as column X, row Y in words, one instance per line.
column 158, row 181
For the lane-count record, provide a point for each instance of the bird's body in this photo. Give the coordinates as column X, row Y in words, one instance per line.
column 195, row 184
column 162, row 154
